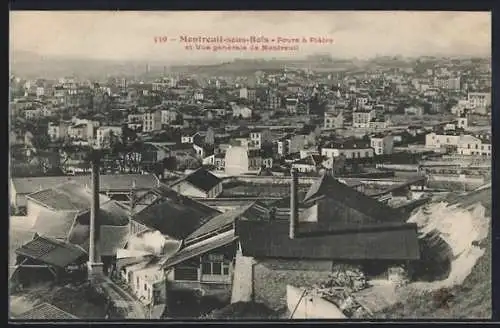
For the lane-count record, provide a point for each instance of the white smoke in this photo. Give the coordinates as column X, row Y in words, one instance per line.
column 459, row 228
column 152, row 242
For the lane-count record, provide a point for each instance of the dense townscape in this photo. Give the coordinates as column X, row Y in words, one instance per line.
column 283, row 187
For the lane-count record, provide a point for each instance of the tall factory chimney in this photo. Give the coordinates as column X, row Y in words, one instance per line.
column 294, row 208
column 94, row 265
column 132, row 198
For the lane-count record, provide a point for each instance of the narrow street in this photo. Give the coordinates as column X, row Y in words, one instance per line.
column 122, row 299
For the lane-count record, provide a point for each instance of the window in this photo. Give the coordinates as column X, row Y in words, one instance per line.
column 225, row 269
column 217, row 268
column 367, row 154
column 145, row 287
column 206, row 268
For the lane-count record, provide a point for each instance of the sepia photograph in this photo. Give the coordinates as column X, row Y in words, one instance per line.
column 249, row 165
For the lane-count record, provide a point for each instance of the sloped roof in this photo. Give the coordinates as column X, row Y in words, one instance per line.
column 107, row 182
column 201, row 179
column 199, row 249
column 69, row 196
column 55, row 224
column 328, row 186
column 173, row 214
column 51, row 251
column 270, row 239
column 254, row 211
column 46, row 311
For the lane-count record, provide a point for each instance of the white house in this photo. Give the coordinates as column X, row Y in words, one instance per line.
column 434, row 140
column 199, row 184
column 473, row 146
column 382, row 145
column 350, row 149
column 479, row 99
column 362, row 118
column 188, row 138
column 242, row 111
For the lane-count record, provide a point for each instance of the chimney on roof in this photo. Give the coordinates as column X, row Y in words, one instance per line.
column 294, row 213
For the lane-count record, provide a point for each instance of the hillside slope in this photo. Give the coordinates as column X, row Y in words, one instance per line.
column 466, row 293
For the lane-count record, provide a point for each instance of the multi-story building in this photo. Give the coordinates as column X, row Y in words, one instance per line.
column 447, row 83
column 248, row 93
column 105, row 133
column 260, row 137
column 273, row 100
column 57, row 130
column 291, row 105
column 152, row 121
column 479, row 99
column 168, row 116
column 351, row 149
column 333, row 120
column 434, row 140
column 474, row 146
column 382, row 144
column 361, row 118
column 198, row 95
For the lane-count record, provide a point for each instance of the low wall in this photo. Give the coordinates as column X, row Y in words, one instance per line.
column 242, row 279
column 309, row 306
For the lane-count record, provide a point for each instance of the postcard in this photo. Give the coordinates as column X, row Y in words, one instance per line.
column 265, row 165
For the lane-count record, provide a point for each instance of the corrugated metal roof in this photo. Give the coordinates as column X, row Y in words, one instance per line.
column 199, row 249
column 46, row 311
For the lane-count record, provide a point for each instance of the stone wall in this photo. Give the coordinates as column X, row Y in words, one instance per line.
column 270, row 278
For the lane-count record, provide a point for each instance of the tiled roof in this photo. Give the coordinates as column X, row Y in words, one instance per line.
column 46, row 311
column 107, row 182
column 270, row 239
column 66, row 197
column 51, row 251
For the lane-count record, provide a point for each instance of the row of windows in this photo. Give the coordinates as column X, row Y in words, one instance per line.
column 215, row 268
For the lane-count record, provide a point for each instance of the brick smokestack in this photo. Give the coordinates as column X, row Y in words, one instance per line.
column 294, row 208
column 132, row 198
column 94, row 211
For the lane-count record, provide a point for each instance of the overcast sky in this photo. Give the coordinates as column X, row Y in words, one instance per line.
column 130, row 35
